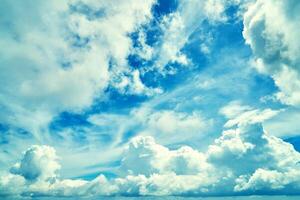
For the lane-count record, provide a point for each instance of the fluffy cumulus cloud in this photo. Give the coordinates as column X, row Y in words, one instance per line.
column 145, row 156
column 243, row 160
column 38, row 163
column 63, row 55
column 271, row 28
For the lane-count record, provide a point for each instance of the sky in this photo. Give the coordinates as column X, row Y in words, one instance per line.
column 151, row 97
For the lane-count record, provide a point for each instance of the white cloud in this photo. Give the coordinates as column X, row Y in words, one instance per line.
column 271, row 29
column 133, row 84
column 178, row 26
column 11, row 184
column 59, row 55
column 243, row 160
column 234, row 109
column 167, row 126
column 255, row 116
column 150, row 156
column 285, row 124
column 39, row 163
column 145, row 157
column 170, row 121
column 268, row 180
column 171, row 126
column 238, row 114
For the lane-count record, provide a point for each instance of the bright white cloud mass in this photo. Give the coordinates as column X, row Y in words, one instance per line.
column 271, row 29
column 244, row 159
column 152, row 97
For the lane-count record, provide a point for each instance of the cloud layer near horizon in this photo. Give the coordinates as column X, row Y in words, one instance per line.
column 243, row 160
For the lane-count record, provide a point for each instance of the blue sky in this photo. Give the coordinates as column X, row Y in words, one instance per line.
column 122, row 97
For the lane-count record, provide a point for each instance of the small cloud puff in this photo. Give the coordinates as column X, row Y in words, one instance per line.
column 238, row 114
column 38, row 163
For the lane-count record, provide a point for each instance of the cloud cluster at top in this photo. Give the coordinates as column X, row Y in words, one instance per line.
column 63, row 49
column 62, row 55
column 243, row 160
column 271, row 28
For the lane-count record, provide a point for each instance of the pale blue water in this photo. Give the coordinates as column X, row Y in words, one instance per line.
column 163, row 198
